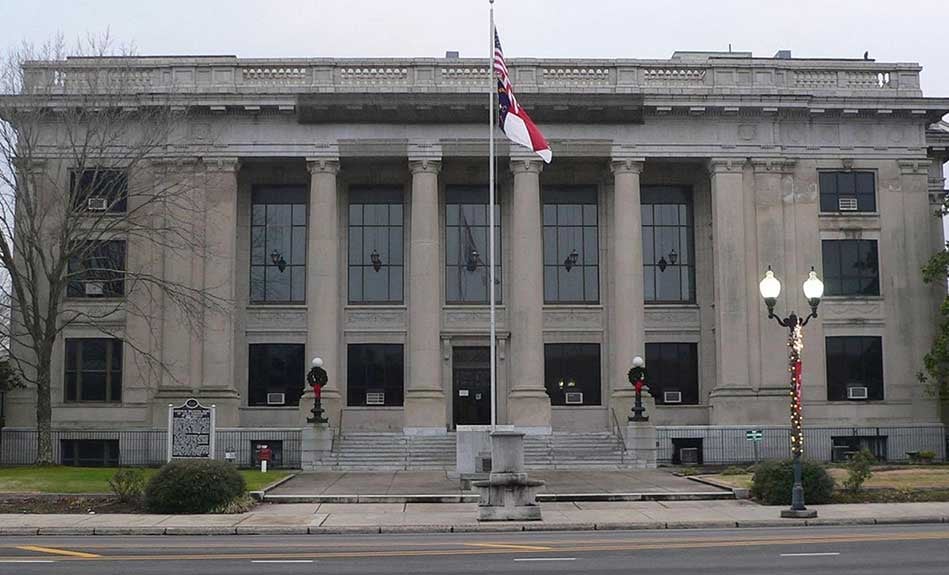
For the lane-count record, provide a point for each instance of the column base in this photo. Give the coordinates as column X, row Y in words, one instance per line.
column 425, row 409
column 640, row 443
column 529, row 409
column 316, row 444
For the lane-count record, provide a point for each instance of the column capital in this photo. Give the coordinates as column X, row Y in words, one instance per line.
column 773, row 165
column 524, row 165
column 424, row 166
column 221, row 164
column 328, row 165
column 725, row 165
column 623, row 165
column 913, row 167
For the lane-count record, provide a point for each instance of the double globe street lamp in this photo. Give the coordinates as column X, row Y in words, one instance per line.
column 813, row 288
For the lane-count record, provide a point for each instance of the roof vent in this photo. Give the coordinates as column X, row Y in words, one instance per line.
column 452, row 54
column 782, row 55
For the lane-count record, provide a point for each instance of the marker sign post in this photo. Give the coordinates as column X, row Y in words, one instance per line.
column 755, row 436
column 191, row 431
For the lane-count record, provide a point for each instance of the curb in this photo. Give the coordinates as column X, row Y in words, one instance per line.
column 260, row 494
column 474, row 498
column 465, row 527
column 738, row 492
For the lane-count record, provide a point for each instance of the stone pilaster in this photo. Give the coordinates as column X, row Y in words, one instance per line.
column 626, row 317
column 322, row 288
column 729, row 398
column 425, row 400
column 528, row 402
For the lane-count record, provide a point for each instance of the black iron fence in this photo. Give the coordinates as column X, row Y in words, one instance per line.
column 147, row 447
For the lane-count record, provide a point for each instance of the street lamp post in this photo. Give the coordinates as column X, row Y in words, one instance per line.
column 637, row 377
column 813, row 288
column 317, row 378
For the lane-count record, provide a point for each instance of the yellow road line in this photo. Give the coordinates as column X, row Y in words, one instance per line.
column 53, row 551
column 509, row 546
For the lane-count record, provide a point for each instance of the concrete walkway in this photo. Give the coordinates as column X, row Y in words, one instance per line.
column 437, row 482
column 462, row 517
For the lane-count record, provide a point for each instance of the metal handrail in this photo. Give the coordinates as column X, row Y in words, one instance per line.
column 619, row 432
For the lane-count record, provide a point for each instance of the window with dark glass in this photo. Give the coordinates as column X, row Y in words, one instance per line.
column 276, row 374
column 278, row 244
column 375, row 245
column 89, row 452
column 668, row 255
column 467, row 250
column 375, row 374
column 851, row 267
column 847, row 192
column 572, row 373
column 673, row 368
column 854, row 361
column 94, row 370
column 99, row 190
column 571, row 245
column 97, row 269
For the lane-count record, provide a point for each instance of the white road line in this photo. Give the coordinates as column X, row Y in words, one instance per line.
column 547, row 559
column 808, row 554
column 281, row 561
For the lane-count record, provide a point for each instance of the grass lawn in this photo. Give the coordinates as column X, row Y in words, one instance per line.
column 59, row 479
column 885, row 478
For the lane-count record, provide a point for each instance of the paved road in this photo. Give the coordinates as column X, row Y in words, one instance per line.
column 907, row 550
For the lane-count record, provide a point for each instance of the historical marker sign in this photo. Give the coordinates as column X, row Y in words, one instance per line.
column 190, row 431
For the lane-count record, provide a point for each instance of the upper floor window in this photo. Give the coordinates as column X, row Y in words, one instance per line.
column 572, row 373
column 276, row 374
column 571, row 246
column 851, row 267
column 673, row 373
column 854, row 368
column 467, row 250
column 99, row 190
column 278, row 244
column 376, row 261
column 668, row 255
column 847, row 192
column 94, row 370
column 375, row 374
column 97, row 269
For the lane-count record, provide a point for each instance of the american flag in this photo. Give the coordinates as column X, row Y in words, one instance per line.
column 512, row 118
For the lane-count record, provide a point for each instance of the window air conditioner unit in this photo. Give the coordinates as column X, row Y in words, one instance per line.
column 857, row 392
column 847, row 204
column 573, row 398
column 97, row 204
column 375, row 398
column 276, row 399
column 93, row 288
column 672, row 397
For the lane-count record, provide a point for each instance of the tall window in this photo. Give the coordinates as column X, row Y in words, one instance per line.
column 467, row 251
column 572, row 373
column 99, row 190
column 97, row 269
column 847, row 192
column 276, row 374
column 851, row 267
column 854, row 361
column 375, row 245
column 376, row 374
column 571, row 250
column 278, row 244
column 668, row 260
column 94, row 370
column 672, row 373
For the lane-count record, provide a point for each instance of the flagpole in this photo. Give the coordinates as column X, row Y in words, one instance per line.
column 492, row 93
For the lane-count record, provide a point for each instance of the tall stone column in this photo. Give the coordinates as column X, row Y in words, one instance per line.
column 528, row 402
column 729, row 399
column 322, row 287
column 425, row 402
column 219, row 267
column 627, row 315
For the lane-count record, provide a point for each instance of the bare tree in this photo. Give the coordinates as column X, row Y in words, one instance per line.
column 87, row 179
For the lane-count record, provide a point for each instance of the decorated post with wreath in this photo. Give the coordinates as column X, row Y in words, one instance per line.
column 317, row 378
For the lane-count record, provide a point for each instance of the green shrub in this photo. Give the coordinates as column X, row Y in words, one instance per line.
column 128, row 485
column 193, row 487
column 773, row 480
column 734, row 470
column 927, row 456
column 858, row 469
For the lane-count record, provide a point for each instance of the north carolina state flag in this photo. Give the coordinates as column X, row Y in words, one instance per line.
column 513, row 119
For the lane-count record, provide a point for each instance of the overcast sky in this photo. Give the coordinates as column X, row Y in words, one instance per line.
column 892, row 31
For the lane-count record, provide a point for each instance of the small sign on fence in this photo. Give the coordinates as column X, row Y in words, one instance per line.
column 191, row 430
column 754, row 435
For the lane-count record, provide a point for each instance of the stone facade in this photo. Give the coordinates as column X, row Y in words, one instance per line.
column 748, row 136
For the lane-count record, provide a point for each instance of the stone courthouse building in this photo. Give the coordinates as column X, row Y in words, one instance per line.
column 350, row 222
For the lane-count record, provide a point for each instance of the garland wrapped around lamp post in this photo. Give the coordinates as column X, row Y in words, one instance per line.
column 813, row 288
column 317, row 378
column 637, row 377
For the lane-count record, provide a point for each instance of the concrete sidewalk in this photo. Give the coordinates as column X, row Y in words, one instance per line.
column 462, row 517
